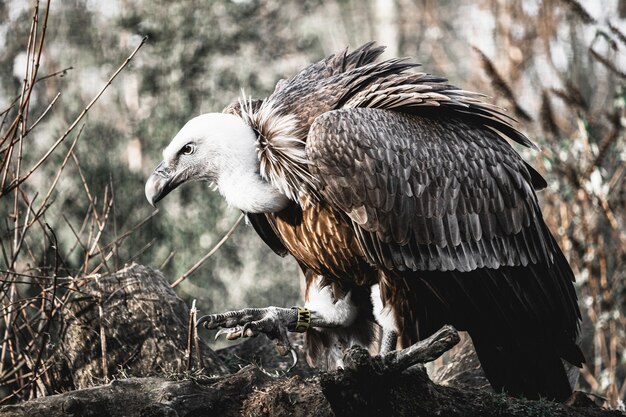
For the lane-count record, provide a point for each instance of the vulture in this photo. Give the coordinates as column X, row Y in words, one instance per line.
column 405, row 206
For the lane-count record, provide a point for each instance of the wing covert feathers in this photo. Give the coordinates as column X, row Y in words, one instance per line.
column 426, row 193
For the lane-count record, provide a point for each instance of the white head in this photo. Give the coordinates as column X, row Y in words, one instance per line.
column 219, row 148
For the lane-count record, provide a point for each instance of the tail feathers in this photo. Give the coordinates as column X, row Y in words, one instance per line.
column 532, row 370
column 323, row 349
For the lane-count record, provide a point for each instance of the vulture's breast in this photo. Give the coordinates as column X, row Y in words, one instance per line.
column 324, row 240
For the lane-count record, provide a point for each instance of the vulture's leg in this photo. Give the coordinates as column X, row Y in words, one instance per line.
column 386, row 319
column 388, row 341
column 321, row 310
column 275, row 322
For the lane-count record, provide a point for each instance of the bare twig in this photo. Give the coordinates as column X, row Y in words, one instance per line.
column 209, row 254
column 103, row 339
column 191, row 325
column 167, row 260
column 502, row 86
column 20, row 180
column 580, row 11
column 607, row 63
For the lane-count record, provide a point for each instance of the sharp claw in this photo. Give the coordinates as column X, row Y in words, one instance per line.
column 221, row 332
column 231, row 333
column 294, row 355
column 246, row 331
column 204, row 321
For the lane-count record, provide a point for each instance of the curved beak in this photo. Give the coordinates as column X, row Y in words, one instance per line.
column 160, row 183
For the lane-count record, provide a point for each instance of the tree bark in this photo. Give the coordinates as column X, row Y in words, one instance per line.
column 130, row 323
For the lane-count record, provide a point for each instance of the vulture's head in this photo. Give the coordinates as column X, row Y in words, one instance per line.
column 221, row 149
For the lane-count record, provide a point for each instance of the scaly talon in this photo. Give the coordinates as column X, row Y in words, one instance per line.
column 234, row 333
column 294, row 355
column 204, row 321
column 275, row 322
column 245, row 328
column 221, row 332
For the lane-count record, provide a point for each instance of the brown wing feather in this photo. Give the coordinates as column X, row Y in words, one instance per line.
column 439, row 195
column 322, row 240
column 447, row 212
column 353, row 80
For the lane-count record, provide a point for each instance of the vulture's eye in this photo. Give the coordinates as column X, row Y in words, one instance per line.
column 187, row 150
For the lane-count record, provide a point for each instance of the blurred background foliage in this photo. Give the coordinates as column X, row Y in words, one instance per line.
column 558, row 66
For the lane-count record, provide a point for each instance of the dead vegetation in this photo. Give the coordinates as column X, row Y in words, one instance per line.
column 36, row 282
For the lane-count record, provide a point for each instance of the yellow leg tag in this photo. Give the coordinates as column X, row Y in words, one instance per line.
column 304, row 319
